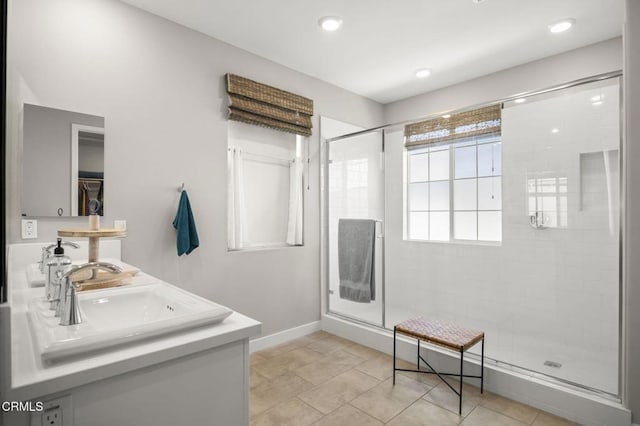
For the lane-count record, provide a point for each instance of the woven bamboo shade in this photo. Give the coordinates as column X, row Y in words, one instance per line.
column 256, row 103
column 477, row 122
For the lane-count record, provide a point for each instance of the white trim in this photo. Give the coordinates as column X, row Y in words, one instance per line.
column 574, row 404
column 283, row 336
column 75, row 130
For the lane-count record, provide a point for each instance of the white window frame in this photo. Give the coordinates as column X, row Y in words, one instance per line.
column 451, row 147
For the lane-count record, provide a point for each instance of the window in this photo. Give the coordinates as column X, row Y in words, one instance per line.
column 265, row 172
column 454, row 183
column 547, row 200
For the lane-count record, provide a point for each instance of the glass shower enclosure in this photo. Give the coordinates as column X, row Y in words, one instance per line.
column 544, row 284
column 355, row 179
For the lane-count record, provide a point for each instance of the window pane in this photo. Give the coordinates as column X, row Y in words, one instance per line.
column 418, row 226
column 465, row 162
column 490, row 159
column 439, row 165
column 439, row 226
column 550, row 219
column 490, row 226
column 418, row 167
column 532, row 205
column 464, row 225
column 464, row 194
column 464, row 142
column 549, row 203
column 490, row 193
column 488, row 138
column 418, row 196
column 439, row 195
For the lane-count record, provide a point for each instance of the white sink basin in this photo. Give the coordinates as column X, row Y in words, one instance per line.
column 117, row 316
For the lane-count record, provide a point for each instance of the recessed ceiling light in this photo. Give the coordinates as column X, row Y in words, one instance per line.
column 424, row 72
column 555, row 130
column 562, row 26
column 520, row 100
column 330, row 23
column 446, row 116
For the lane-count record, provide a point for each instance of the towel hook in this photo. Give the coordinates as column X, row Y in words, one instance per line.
column 181, row 188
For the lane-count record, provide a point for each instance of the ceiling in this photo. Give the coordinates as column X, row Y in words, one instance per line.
column 383, row 42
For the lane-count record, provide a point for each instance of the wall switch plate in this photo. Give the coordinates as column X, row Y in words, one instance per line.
column 120, row 224
column 29, row 229
column 55, row 412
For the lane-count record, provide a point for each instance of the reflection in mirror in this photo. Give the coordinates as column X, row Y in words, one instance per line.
column 63, row 163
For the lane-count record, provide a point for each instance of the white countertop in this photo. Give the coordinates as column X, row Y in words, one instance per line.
column 30, row 378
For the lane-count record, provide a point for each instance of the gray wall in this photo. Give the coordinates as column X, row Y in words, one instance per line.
column 160, row 88
column 46, row 154
column 632, row 270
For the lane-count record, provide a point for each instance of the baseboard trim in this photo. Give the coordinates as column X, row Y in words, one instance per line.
column 576, row 405
column 283, row 336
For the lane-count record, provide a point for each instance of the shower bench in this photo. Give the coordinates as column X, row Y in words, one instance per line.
column 449, row 336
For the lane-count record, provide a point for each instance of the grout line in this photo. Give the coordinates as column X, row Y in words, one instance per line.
column 501, row 413
column 506, row 414
column 363, row 412
column 536, row 417
column 310, row 406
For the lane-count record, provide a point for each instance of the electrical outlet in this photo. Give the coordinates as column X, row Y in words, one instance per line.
column 29, row 229
column 52, row 417
column 56, row 412
column 120, row 224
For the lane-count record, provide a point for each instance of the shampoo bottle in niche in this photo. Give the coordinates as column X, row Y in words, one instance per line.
column 58, row 266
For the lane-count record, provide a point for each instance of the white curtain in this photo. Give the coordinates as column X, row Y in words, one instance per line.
column 294, row 228
column 236, row 222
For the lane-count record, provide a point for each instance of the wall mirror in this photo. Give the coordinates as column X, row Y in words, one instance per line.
column 63, row 163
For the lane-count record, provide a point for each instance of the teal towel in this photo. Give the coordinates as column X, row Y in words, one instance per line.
column 185, row 224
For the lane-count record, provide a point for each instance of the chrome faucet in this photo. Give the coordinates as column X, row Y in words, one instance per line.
column 68, row 308
column 46, row 252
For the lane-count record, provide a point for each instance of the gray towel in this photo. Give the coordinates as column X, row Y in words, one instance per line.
column 356, row 265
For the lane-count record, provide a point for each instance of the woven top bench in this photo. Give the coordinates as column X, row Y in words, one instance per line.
column 440, row 333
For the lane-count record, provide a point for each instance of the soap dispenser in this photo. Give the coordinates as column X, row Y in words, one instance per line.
column 57, row 267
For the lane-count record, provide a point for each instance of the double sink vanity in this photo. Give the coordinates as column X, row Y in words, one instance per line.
column 144, row 353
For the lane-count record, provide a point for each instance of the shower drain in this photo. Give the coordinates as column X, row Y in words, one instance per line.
column 552, row 364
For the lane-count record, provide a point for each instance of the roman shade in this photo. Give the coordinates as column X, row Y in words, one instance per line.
column 256, row 103
column 482, row 121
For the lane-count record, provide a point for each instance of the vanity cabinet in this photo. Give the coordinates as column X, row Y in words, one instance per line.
column 195, row 377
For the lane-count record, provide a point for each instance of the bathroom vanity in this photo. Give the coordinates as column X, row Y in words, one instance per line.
column 195, row 368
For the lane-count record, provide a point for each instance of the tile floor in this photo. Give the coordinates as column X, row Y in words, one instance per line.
column 322, row 379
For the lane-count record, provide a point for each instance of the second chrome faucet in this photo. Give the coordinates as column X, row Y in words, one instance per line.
column 68, row 308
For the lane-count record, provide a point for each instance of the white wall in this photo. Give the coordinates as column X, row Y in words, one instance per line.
column 161, row 90
column 632, row 243
column 573, row 65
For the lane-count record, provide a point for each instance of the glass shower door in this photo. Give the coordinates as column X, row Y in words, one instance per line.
column 355, row 179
